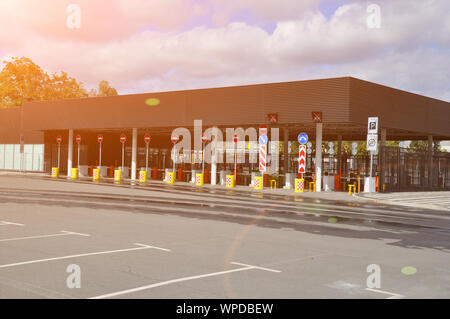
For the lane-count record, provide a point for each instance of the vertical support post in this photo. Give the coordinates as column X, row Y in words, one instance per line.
column 339, row 166
column 123, row 157
column 213, row 166
column 59, row 153
column 381, row 160
column 430, row 162
column 100, row 156
column 133, row 155
column 286, row 149
column 146, row 157
column 78, row 155
column 319, row 128
column 70, row 154
column 235, row 162
column 203, row 158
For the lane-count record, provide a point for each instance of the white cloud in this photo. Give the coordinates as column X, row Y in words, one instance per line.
column 410, row 51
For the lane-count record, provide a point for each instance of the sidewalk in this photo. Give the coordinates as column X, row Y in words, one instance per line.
column 427, row 200
column 126, row 183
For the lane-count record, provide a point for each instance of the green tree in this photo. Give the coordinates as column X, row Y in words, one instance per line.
column 104, row 89
column 62, row 87
column 21, row 80
column 422, row 146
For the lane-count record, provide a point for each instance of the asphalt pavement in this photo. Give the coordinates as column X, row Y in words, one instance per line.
column 182, row 241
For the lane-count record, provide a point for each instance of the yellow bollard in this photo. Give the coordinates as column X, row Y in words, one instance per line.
column 96, row 174
column 273, row 183
column 74, row 173
column 258, row 182
column 55, row 172
column 299, row 185
column 199, row 179
column 170, row 177
column 117, row 175
column 230, row 181
column 350, row 189
column 143, row 177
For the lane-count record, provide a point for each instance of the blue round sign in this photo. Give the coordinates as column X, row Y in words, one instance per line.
column 303, row 138
column 263, row 139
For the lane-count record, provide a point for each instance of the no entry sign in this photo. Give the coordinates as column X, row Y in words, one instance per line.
column 147, row 138
column 123, row 138
column 58, row 139
column 100, row 138
column 174, row 138
column 78, row 139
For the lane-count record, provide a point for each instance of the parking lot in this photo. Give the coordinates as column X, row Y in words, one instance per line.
column 134, row 249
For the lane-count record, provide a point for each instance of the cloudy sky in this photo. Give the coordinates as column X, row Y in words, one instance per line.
column 154, row 45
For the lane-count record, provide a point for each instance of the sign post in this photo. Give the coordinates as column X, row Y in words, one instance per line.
column 204, row 139
column 174, row 140
column 78, row 141
column 147, row 139
column 263, row 140
column 100, row 140
column 123, row 140
column 236, row 139
column 372, row 139
column 303, row 140
column 59, row 140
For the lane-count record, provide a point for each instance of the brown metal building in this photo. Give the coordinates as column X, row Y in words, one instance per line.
column 346, row 104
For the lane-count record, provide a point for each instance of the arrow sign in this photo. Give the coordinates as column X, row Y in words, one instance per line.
column 303, row 138
column 302, row 159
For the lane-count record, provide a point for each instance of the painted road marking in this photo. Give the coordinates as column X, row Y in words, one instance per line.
column 5, row 223
column 61, row 233
column 141, row 246
column 392, row 294
column 173, row 281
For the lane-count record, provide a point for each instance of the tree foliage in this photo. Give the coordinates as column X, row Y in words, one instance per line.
column 104, row 89
column 21, row 80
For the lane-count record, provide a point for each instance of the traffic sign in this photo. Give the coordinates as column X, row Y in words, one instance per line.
column 372, row 127
column 317, row 117
column 59, row 139
column 204, row 138
column 302, row 159
column 263, row 148
column 123, row 138
column 174, row 138
column 372, row 142
column 100, row 138
column 236, row 138
column 263, row 139
column 78, row 139
column 303, row 138
column 147, row 138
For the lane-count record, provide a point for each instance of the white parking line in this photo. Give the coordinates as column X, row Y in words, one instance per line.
column 173, row 281
column 393, row 295
column 61, row 233
column 141, row 246
column 5, row 223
